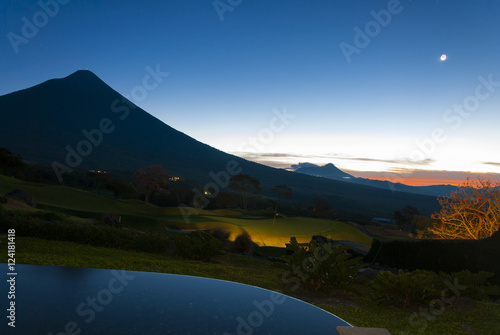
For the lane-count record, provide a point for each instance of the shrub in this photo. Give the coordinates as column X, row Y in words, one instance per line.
column 127, row 239
column 198, row 245
column 243, row 243
column 406, row 288
column 323, row 267
column 439, row 255
column 475, row 285
column 222, row 235
column 48, row 216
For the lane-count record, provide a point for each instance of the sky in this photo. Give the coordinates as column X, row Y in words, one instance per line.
column 359, row 84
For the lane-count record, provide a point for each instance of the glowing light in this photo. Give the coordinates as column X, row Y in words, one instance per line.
column 443, row 57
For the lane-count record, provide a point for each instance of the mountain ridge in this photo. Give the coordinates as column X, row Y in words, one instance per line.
column 332, row 172
column 40, row 124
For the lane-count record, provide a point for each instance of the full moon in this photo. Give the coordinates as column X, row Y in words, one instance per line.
column 443, row 57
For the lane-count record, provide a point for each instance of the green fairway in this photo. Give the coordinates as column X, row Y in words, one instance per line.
column 265, row 233
column 64, row 197
column 143, row 216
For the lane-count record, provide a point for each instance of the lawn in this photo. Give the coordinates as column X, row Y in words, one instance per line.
column 266, row 233
column 146, row 217
column 484, row 318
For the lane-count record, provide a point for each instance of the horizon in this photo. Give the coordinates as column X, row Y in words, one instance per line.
column 298, row 84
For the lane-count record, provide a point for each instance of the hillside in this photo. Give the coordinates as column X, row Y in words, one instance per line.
column 149, row 218
column 46, row 122
column 330, row 171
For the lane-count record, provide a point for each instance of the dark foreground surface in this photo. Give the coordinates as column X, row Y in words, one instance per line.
column 76, row 301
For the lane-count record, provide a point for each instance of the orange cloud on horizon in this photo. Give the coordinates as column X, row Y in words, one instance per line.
column 426, row 178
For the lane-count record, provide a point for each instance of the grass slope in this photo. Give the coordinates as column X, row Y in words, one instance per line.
column 265, row 233
column 143, row 216
column 484, row 318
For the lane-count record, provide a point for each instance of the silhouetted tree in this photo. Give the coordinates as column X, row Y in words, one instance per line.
column 404, row 217
column 10, row 164
column 245, row 186
column 320, row 208
column 284, row 192
column 150, row 179
column 122, row 189
column 100, row 179
column 183, row 194
column 227, row 200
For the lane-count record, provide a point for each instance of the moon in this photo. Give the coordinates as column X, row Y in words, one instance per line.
column 443, row 57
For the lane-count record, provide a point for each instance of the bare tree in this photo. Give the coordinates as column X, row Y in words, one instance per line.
column 245, row 186
column 472, row 212
column 150, row 179
column 284, row 192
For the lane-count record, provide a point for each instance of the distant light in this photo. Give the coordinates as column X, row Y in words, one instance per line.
column 443, row 57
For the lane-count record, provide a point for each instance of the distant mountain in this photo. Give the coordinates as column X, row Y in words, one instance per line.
column 79, row 121
column 332, row 172
column 326, row 171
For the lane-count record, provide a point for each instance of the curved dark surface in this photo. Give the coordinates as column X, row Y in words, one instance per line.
column 67, row 300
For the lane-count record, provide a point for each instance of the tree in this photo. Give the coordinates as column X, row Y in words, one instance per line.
column 150, row 179
column 123, row 190
column 182, row 193
column 471, row 212
column 226, row 200
column 320, row 208
column 100, row 178
column 9, row 163
column 284, row 192
column 245, row 186
column 404, row 217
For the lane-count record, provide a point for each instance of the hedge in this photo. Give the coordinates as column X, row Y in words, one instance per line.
column 439, row 255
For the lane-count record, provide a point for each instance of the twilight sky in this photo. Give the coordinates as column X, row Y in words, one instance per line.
column 359, row 84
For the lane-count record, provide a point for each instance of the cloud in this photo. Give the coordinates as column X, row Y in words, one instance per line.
column 425, row 177
column 402, row 171
column 334, row 156
column 491, row 163
column 257, row 155
column 390, row 161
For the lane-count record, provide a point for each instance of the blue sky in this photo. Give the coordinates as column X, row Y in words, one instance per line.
column 373, row 115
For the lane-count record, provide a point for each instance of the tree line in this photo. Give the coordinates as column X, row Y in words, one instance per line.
column 471, row 212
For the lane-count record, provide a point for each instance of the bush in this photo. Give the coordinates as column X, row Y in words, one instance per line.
column 475, row 285
column 406, row 288
column 439, row 255
column 420, row 287
column 243, row 243
column 126, row 239
column 198, row 245
column 2, row 213
column 222, row 235
column 323, row 267
column 48, row 216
